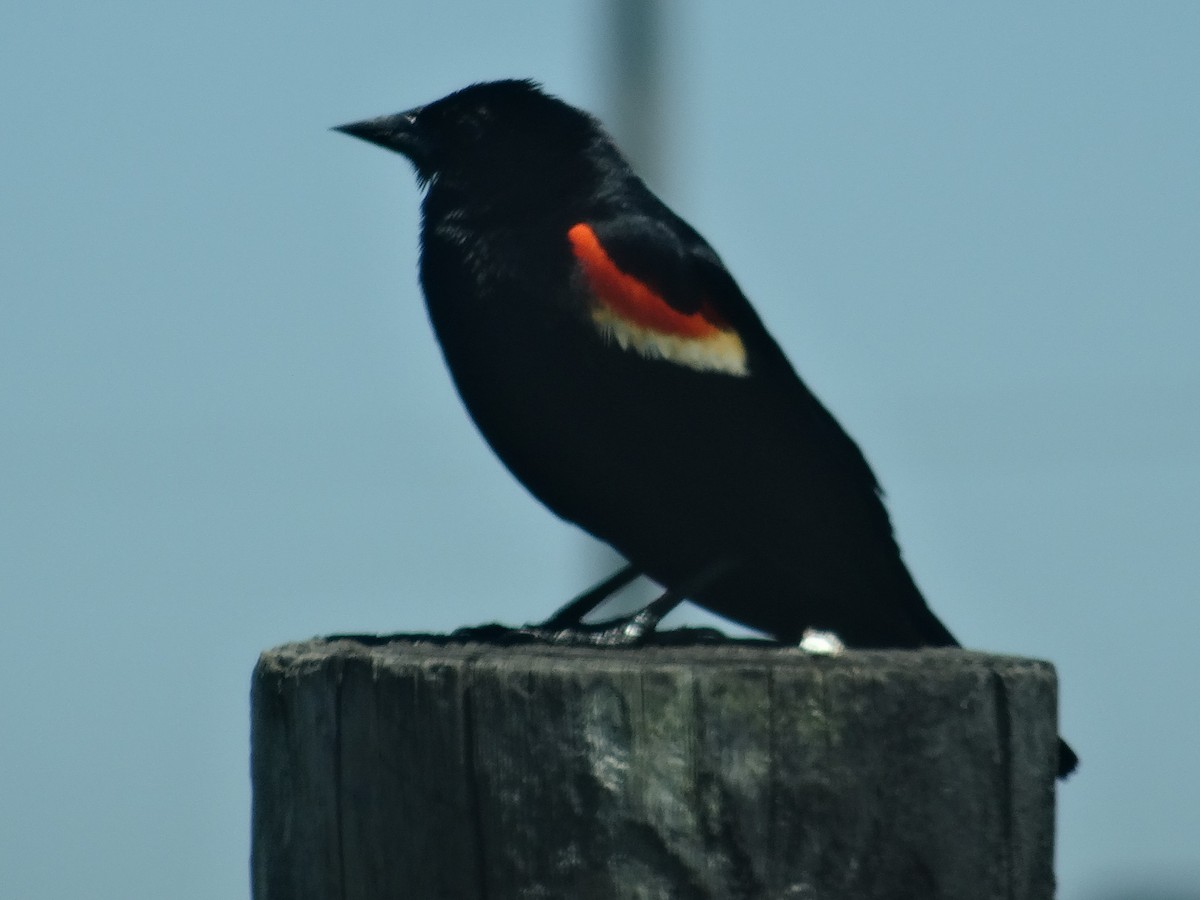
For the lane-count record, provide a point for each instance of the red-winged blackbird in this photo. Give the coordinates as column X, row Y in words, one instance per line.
column 613, row 364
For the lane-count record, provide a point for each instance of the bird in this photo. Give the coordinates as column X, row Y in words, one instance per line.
column 609, row 358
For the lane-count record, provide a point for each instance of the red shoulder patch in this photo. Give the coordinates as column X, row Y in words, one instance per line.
column 629, row 298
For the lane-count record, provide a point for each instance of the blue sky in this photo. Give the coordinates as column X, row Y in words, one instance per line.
column 226, row 424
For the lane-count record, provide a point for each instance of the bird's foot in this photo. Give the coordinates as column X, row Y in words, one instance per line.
column 630, row 631
column 823, row 643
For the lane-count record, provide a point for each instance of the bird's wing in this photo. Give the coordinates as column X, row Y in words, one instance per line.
column 658, row 289
column 658, row 281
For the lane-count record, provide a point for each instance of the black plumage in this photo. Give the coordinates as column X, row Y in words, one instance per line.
column 613, row 364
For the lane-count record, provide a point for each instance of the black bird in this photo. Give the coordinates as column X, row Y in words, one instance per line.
column 613, row 364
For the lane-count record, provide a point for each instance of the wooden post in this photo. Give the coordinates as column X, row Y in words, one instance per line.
column 415, row 767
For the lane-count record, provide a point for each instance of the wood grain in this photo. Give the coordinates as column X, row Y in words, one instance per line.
column 417, row 767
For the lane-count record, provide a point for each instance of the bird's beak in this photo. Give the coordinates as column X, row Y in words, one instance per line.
column 400, row 133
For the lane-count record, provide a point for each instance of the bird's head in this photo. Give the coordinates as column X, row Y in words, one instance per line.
column 494, row 139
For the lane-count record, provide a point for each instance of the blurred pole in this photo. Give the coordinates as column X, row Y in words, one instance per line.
column 634, row 76
column 632, row 71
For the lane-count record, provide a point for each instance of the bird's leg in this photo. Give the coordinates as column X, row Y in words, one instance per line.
column 571, row 615
column 622, row 632
column 565, row 627
column 632, row 630
column 564, row 622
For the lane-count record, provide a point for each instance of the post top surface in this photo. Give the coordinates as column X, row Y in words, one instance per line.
column 679, row 648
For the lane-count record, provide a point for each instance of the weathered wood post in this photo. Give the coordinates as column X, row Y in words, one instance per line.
column 418, row 768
